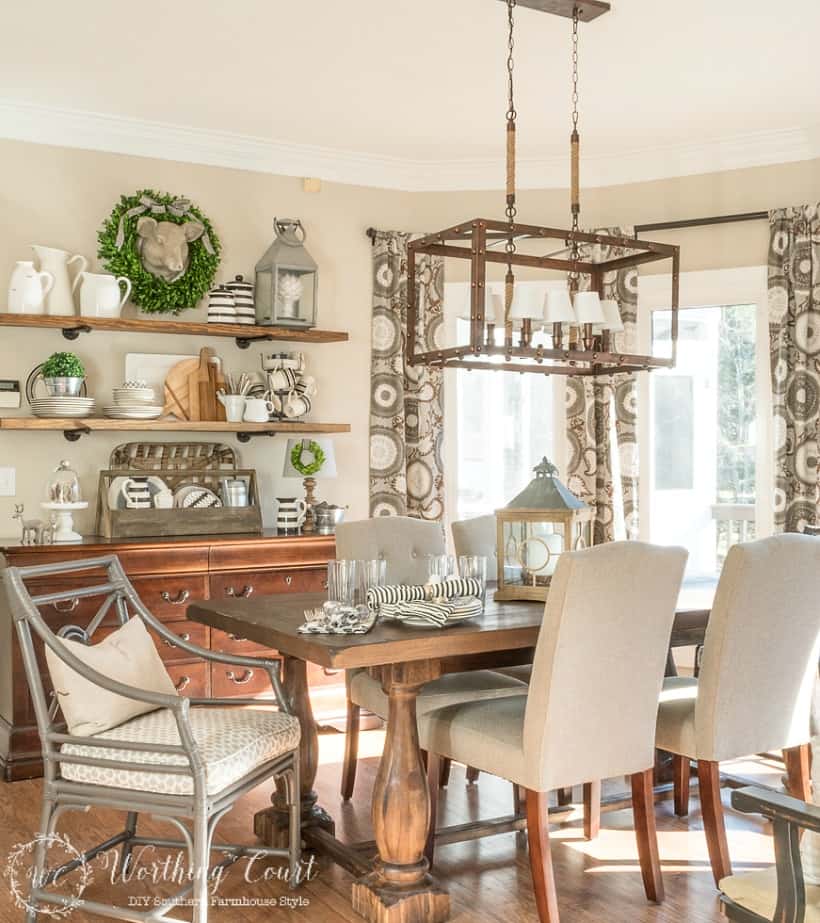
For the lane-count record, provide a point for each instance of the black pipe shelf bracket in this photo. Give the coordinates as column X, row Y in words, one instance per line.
column 245, row 342
column 244, row 436
column 73, row 435
column 73, row 333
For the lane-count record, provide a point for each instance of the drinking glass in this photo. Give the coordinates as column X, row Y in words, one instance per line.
column 341, row 581
column 440, row 567
column 474, row 565
column 370, row 573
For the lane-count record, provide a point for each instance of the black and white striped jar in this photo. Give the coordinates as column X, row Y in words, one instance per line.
column 221, row 306
column 242, row 292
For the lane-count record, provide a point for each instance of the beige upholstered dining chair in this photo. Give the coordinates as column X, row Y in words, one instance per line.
column 757, row 675
column 591, row 706
column 403, row 542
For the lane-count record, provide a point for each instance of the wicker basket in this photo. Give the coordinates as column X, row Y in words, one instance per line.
column 177, row 464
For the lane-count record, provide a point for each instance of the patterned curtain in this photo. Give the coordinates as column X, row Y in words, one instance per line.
column 590, row 405
column 794, row 338
column 406, row 402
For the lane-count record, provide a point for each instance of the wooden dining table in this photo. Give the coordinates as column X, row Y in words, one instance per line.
column 392, row 883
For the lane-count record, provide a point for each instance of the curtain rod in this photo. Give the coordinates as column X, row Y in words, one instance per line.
column 669, row 225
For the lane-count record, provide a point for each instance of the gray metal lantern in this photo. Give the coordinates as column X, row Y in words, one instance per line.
column 286, row 279
column 543, row 521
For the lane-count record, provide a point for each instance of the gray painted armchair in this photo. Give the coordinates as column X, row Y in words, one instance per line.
column 183, row 760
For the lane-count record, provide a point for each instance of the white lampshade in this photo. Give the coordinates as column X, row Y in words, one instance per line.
column 588, row 308
column 328, row 469
column 526, row 304
column 558, row 307
column 612, row 316
column 493, row 308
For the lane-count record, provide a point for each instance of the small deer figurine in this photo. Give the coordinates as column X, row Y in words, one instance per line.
column 32, row 528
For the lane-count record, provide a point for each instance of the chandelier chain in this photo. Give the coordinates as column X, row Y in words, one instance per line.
column 511, row 115
column 575, row 151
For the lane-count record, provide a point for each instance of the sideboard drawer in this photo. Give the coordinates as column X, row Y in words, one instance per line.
column 228, row 681
column 191, row 679
column 233, row 644
column 189, row 631
column 243, row 584
column 169, row 596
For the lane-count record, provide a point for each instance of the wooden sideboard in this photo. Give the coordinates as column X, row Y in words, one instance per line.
column 168, row 574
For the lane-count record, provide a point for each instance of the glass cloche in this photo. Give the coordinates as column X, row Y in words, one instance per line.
column 64, row 485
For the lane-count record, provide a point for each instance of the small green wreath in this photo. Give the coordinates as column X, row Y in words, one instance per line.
column 307, row 469
column 120, row 251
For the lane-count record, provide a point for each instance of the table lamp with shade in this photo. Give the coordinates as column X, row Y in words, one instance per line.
column 309, row 459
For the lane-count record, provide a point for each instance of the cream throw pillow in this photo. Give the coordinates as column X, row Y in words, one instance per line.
column 127, row 655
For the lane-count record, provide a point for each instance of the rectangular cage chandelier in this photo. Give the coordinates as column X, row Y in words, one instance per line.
column 575, row 329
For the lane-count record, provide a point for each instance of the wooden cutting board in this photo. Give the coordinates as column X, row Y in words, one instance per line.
column 177, row 390
column 203, row 396
column 217, row 381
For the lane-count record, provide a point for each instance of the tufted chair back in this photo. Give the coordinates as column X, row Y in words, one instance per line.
column 478, row 536
column 401, row 540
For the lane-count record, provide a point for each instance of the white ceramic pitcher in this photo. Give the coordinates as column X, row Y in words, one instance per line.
column 290, row 516
column 100, row 294
column 28, row 289
column 60, row 300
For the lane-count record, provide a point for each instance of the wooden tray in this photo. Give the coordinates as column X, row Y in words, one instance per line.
column 177, row 464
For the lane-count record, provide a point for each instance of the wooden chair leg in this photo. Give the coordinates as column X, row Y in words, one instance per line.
column 592, row 810
column 434, row 768
column 798, row 771
column 444, row 771
column 682, row 773
column 643, row 809
column 713, row 821
column 543, row 879
column 351, row 750
column 472, row 774
column 564, row 796
column 516, row 792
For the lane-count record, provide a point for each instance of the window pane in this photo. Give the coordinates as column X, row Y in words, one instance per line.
column 505, row 427
column 704, row 436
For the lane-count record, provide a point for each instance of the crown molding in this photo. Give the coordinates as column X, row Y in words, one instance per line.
column 141, row 138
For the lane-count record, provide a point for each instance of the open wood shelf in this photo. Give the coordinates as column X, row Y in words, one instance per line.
column 244, row 334
column 72, row 429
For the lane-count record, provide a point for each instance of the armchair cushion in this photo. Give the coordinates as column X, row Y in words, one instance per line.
column 232, row 742
column 757, row 891
column 127, row 655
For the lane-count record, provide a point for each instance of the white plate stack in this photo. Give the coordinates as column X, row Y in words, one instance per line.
column 133, row 401
column 62, row 406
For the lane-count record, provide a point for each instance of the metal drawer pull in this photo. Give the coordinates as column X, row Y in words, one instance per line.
column 236, row 638
column 66, row 605
column 178, row 600
column 183, row 683
column 185, row 637
column 288, row 580
column 244, row 593
column 330, row 672
column 246, row 677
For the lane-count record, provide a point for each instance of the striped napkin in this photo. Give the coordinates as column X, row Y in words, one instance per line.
column 450, row 588
column 436, row 612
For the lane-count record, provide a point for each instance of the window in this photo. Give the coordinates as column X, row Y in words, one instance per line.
column 706, row 448
column 502, row 427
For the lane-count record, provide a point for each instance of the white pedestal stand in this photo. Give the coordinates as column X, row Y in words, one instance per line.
column 65, row 520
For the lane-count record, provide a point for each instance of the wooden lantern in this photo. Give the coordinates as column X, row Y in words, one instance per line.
column 543, row 521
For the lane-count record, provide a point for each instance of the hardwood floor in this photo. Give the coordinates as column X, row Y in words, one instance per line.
column 489, row 880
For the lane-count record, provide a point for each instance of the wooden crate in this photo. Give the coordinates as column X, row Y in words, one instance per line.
column 177, row 464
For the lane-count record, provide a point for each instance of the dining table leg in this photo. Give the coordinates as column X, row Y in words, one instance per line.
column 400, row 889
column 272, row 825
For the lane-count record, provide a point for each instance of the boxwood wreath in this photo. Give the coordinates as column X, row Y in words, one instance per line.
column 307, row 468
column 119, row 251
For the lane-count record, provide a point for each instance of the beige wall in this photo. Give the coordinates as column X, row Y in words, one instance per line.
column 59, row 197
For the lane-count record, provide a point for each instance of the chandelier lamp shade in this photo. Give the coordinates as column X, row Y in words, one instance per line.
column 575, row 328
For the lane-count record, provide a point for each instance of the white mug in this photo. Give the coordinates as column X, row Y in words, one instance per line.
column 234, row 405
column 257, row 410
column 296, row 405
column 282, row 379
column 307, row 386
column 291, row 514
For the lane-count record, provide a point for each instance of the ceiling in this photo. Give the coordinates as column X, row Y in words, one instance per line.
column 414, row 92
